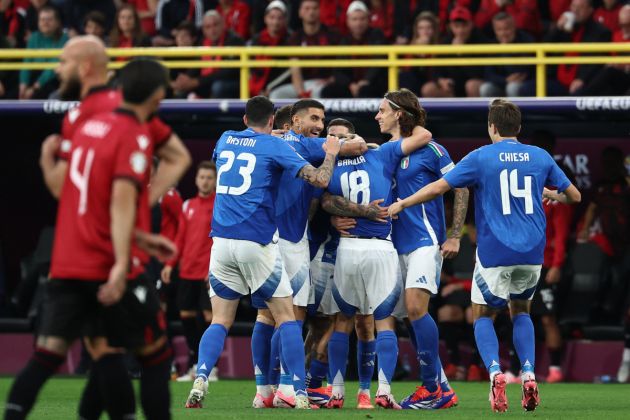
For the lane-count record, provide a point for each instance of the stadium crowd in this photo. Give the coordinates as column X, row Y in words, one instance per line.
column 162, row 23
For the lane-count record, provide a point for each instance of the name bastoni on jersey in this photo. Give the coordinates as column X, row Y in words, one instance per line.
column 514, row 157
column 238, row 141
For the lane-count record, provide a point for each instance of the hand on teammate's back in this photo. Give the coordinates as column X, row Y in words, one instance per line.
column 343, row 224
column 376, row 213
column 332, row 145
column 112, row 291
column 395, row 208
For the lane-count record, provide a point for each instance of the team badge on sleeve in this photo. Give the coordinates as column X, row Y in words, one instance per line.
column 138, row 162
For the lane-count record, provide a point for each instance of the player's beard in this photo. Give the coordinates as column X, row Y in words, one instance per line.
column 70, row 90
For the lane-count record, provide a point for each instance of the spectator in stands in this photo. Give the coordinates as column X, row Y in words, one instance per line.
column 333, row 14
column 30, row 19
column 146, row 11
column 358, row 82
column 308, row 82
column 38, row 85
column 506, row 80
column 185, row 36
column 608, row 14
column 170, row 13
column 275, row 33
column 212, row 82
column 382, row 17
column 127, row 32
column 95, row 24
column 76, row 10
column 425, row 32
column 554, row 10
column 576, row 25
column 525, row 13
column 236, row 15
column 458, row 81
column 12, row 24
column 8, row 79
column 442, row 9
column 613, row 79
column 544, row 304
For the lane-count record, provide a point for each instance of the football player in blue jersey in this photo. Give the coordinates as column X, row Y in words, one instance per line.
column 365, row 279
column 245, row 256
column 292, row 210
column 509, row 180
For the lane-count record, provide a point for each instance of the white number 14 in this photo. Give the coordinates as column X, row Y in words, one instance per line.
column 510, row 187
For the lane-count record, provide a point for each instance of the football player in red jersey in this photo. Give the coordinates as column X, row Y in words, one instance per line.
column 98, row 205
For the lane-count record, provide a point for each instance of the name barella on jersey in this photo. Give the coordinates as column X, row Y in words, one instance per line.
column 421, row 225
column 294, row 198
column 367, row 178
column 249, row 168
column 508, row 180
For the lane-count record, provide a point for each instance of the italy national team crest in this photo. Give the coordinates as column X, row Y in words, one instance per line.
column 404, row 163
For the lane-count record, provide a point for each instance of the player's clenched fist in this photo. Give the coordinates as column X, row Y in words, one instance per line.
column 332, row 145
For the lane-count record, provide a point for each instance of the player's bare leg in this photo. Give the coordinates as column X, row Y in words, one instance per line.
column 524, row 343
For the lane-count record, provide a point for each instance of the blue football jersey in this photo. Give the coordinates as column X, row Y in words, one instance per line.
column 508, row 180
column 366, row 178
column 294, row 198
column 421, row 225
column 249, row 168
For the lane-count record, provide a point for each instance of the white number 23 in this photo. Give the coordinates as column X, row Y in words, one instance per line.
column 244, row 171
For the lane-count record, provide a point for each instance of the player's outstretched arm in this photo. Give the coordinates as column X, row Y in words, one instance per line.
column 123, row 219
column 420, row 137
column 174, row 160
column 450, row 248
column 353, row 146
column 427, row 193
column 341, row 206
column 54, row 171
column 320, row 177
column 570, row 196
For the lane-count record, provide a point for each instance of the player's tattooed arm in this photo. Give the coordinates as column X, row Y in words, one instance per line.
column 313, row 208
column 320, row 177
column 353, row 145
column 450, row 247
column 341, row 206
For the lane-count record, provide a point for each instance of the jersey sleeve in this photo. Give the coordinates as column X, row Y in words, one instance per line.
column 391, row 153
column 287, row 158
column 465, row 173
column 443, row 162
column 556, row 177
column 131, row 162
column 314, row 148
column 160, row 131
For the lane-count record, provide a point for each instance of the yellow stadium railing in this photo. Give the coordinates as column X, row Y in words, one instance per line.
column 393, row 57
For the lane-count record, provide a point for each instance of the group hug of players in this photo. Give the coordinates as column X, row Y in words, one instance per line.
column 365, row 271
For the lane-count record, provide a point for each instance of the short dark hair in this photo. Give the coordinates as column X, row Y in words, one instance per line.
column 187, row 26
column 283, row 116
column 207, row 164
column 96, row 17
column 412, row 113
column 502, row 16
column 141, row 78
column 258, row 110
column 303, row 104
column 506, row 117
column 344, row 123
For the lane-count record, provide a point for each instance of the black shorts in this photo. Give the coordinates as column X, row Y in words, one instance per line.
column 544, row 301
column 72, row 310
column 140, row 319
column 192, row 295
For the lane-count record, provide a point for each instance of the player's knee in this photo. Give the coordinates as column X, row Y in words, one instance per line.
column 224, row 321
column 265, row 317
column 483, row 311
column 519, row 307
column 344, row 324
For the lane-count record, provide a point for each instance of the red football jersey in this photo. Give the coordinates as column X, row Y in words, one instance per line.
column 106, row 147
column 103, row 99
column 170, row 206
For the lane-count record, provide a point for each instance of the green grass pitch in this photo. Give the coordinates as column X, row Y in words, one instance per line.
column 230, row 399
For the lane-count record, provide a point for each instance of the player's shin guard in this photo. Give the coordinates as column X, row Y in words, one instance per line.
column 488, row 344
column 155, row 394
column 426, row 333
column 115, row 387
column 274, row 359
column 91, row 406
column 524, row 343
column 261, row 350
column 292, row 347
column 366, row 355
column 43, row 365
column 210, row 348
column 338, row 348
column 387, row 353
